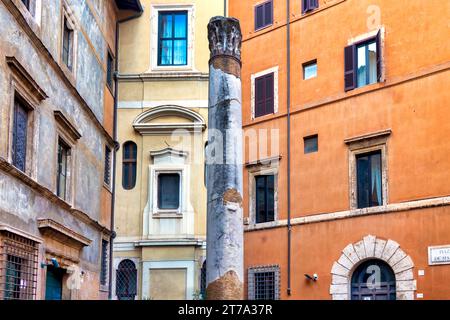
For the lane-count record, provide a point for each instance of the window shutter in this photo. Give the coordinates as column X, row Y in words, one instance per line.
column 312, row 4
column 379, row 56
column 349, row 68
column 268, row 13
column 305, row 6
column 260, row 97
column 269, row 94
column 259, row 16
column 316, row 4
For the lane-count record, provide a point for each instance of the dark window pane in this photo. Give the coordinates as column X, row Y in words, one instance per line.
column 369, row 180
column 107, row 174
column 265, row 201
column 265, row 286
column 311, row 144
column 110, row 71
column 129, row 161
column 67, row 44
column 168, row 191
column 19, row 143
column 63, row 152
column 126, row 280
column 26, row 3
column 104, row 263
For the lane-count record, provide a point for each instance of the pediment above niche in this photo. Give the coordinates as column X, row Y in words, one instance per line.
column 165, row 119
column 168, row 156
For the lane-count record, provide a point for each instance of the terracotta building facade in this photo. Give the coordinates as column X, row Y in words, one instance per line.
column 57, row 147
column 347, row 194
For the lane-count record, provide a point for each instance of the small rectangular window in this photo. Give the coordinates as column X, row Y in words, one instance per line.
column 310, row 70
column 309, row 5
column 168, row 191
column 369, row 179
column 67, row 47
column 110, row 71
column 104, row 263
column 61, row 180
column 264, row 15
column 264, row 285
column 264, row 95
column 19, row 135
column 311, row 144
column 265, row 198
column 107, row 174
column 173, row 38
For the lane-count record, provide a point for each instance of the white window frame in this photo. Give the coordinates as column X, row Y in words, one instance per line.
column 154, row 18
column 156, row 172
column 254, row 76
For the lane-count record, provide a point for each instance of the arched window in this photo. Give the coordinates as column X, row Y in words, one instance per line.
column 129, row 161
column 126, row 280
column 373, row 280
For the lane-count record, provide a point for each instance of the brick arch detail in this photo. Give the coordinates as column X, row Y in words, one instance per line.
column 371, row 247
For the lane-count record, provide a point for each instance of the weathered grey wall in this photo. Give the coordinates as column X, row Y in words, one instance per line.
column 20, row 205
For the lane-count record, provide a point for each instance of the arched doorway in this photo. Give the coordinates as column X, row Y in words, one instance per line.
column 373, row 280
column 126, row 280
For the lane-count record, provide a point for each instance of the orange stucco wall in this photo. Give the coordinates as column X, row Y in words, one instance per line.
column 412, row 102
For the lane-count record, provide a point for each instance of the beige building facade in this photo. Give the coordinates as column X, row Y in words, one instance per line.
column 160, row 205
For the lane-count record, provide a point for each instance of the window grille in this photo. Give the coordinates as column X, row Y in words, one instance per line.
column 104, row 264
column 264, row 283
column 18, row 267
column 126, row 280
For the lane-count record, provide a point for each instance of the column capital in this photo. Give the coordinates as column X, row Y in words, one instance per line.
column 225, row 37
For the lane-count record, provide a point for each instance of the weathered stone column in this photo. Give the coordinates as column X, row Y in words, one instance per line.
column 224, row 263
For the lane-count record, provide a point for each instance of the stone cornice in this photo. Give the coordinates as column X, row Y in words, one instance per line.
column 52, row 197
column 66, row 234
column 67, row 125
column 164, row 76
column 19, row 71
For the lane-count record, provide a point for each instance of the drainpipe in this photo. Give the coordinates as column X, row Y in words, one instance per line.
column 116, row 144
column 288, row 95
column 225, row 8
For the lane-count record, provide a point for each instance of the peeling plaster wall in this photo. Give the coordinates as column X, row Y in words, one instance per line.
column 21, row 205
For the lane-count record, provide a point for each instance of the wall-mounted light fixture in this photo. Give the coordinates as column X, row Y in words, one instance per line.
column 314, row 277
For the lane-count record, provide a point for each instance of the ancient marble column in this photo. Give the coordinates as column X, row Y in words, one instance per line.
column 224, row 263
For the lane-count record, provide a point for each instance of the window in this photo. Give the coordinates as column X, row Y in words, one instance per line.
column 168, row 191
column 172, row 38
column 126, row 280
column 67, row 47
column 104, row 263
column 369, row 179
column 311, row 144
column 309, row 5
column 26, row 3
column 265, row 200
column 310, row 70
column 19, row 136
column 264, row 283
column 62, row 165
column 110, row 71
column 264, row 95
column 364, row 288
column 18, row 267
column 129, row 160
column 107, row 174
column 363, row 63
column 203, row 281
column 263, row 15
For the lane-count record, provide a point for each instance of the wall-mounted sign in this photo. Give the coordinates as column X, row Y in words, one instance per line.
column 439, row 255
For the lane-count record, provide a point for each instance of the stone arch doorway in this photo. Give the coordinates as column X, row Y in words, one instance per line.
column 373, row 279
column 371, row 248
